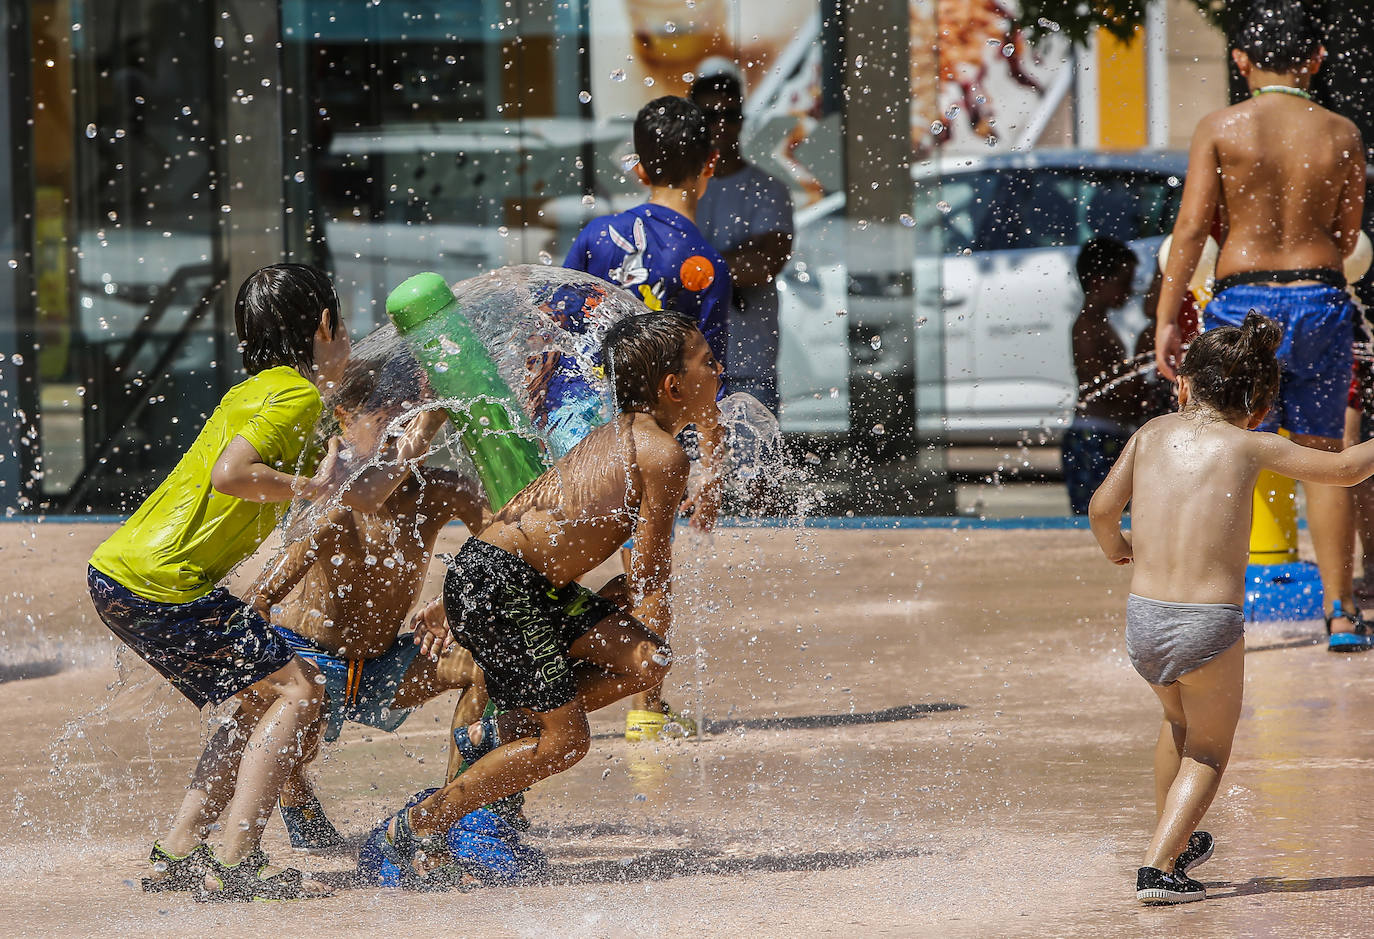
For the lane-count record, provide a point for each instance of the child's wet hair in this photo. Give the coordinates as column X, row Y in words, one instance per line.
column 380, row 380
column 672, row 140
column 1102, row 258
column 1233, row 368
column 640, row 351
column 277, row 313
column 1279, row 35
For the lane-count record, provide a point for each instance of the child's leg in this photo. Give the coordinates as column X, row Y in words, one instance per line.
column 550, row 742
column 212, row 783
column 617, row 658
column 1211, row 699
column 288, row 704
column 1169, row 748
column 297, row 789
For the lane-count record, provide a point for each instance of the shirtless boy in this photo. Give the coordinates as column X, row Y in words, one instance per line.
column 1287, row 179
column 356, row 579
column 551, row 650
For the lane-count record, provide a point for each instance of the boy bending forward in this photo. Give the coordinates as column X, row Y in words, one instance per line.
column 551, row 650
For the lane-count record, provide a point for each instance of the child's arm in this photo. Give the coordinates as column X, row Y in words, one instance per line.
column 373, row 486
column 1287, row 458
column 663, row 469
column 1201, row 194
column 1110, row 500
column 274, row 583
column 1350, row 215
column 453, row 495
column 241, row 473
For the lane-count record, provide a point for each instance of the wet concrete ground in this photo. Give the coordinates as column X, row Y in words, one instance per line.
column 921, row 732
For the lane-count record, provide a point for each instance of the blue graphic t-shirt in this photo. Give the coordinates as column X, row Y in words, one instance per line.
column 661, row 257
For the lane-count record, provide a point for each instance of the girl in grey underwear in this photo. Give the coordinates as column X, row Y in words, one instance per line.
column 1166, row 640
column 1187, row 478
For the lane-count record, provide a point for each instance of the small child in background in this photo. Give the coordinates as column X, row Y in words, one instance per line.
column 1108, row 403
column 1188, row 478
column 359, row 575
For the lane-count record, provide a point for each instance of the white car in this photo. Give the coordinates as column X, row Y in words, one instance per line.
column 991, row 297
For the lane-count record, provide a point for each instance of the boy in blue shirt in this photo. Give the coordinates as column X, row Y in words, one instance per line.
column 655, row 250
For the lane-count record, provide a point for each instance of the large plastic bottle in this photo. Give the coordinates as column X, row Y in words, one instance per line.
column 426, row 313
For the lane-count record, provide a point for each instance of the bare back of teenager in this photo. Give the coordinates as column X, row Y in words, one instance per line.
column 1291, row 178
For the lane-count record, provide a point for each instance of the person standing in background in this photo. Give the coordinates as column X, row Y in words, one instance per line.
column 746, row 215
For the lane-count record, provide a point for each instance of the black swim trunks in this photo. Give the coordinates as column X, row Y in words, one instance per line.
column 518, row 625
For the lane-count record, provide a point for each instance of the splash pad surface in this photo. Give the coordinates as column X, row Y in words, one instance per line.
column 840, row 791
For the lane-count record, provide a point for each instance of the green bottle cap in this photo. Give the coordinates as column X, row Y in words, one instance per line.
column 417, row 299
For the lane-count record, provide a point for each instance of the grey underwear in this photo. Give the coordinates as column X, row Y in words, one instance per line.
column 1168, row 640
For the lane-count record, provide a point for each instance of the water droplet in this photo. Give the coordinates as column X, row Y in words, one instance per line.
column 876, row 342
column 159, row 867
column 337, row 560
column 449, row 346
column 943, row 206
column 320, row 679
column 219, row 42
column 906, row 220
column 585, row 97
column 300, row 176
column 670, row 27
column 545, row 257
column 841, row 312
column 370, row 560
column 589, row 200
column 879, row 430
column 618, row 75
column 17, row 359
column 629, row 161
column 90, row 131
column 441, row 366
column 648, row 81
column 503, row 231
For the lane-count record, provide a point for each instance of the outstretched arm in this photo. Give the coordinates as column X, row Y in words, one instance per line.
column 1287, row 458
column 1201, row 195
column 1110, row 500
column 374, row 485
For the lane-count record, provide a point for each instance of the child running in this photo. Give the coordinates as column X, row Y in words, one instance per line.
column 551, row 650
column 1188, row 477
column 359, row 575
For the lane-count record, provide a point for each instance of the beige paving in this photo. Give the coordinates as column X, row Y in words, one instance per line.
column 1023, row 811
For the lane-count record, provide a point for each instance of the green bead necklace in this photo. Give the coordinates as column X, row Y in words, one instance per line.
column 1283, row 90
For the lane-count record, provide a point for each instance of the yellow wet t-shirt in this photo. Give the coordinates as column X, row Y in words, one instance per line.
column 186, row 537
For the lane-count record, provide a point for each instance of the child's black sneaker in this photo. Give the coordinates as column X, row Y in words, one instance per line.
column 308, row 827
column 1197, row 851
column 1153, row 887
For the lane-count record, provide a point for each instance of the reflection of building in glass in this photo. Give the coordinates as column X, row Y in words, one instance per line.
column 164, row 150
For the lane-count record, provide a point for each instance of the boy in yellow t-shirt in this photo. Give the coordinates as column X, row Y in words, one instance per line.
column 153, row 582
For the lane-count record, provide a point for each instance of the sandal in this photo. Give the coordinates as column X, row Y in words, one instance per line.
column 472, row 752
column 388, row 860
column 176, row 873
column 244, row 881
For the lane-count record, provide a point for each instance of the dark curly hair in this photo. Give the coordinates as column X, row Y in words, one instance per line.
column 1234, row 368
column 1279, row 35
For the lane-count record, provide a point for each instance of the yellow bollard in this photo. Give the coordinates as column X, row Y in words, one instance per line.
column 1274, row 528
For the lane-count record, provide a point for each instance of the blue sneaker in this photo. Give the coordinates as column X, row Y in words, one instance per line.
column 1358, row 638
column 308, row 827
